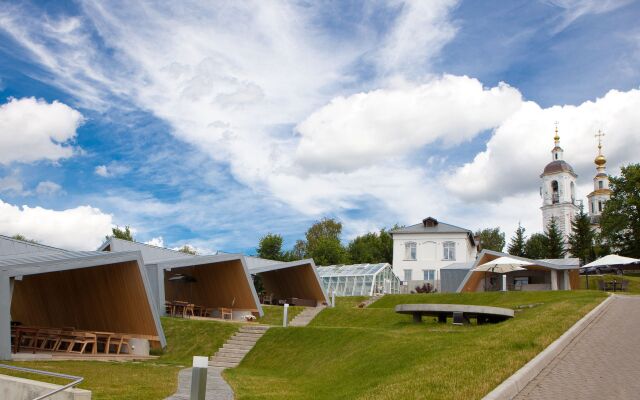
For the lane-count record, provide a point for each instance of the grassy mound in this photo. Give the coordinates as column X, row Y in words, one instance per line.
column 352, row 353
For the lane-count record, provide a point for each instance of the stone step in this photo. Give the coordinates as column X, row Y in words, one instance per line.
column 251, row 334
column 237, row 347
column 241, row 342
column 223, row 364
column 219, row 358
column 233, row 354
column 253, row 328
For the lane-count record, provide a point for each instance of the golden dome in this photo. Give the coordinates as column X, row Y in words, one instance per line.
column 600, row 160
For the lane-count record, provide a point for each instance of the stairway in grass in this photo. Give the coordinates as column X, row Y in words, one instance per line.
column 306, row 316
column 234, row 349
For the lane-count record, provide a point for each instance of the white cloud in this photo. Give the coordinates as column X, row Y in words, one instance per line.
column 32, row 129
column 520, row 147
column 419, row 33
column 12, row 184
column 365, row 128
column 156, row 241
column 574, row 9
column 111, row 170
column 48, row 188
column 79, row 228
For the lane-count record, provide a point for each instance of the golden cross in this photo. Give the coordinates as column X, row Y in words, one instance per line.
column 599, row 135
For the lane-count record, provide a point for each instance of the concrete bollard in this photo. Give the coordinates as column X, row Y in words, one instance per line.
column 333, row 299
column 285, row 316
column 199, row 377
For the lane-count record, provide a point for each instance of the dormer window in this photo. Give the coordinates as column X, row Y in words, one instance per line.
column 410, row 251
column 449, row 251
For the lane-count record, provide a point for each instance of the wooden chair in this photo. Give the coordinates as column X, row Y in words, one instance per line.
column 48, row 339
column 67, row 338
column 120, row 342
column 27, row 338
column 169, row 308
column 224, row 312
column 601, row 285
column 624, row 285
column 189, row 310
column 268, row 299
column 83, row 339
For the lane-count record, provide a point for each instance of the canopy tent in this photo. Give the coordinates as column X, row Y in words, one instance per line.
column 359, row 279
column 502, row 265
column 92, row 291
column 295, row 281
column 610, row 260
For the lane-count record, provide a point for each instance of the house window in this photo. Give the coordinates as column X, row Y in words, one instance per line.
column 410, row 251
column 407, row 275
column 600, row 185
column 449, row 251
column 429, row 274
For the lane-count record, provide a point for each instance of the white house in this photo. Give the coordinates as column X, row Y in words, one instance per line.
column 421, row 250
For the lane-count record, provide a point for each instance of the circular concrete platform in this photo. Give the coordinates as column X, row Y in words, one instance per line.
column 460, row 312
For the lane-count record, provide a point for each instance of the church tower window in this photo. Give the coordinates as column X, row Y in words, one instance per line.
column 555, row 195
column 573, row 193
column 600, row 185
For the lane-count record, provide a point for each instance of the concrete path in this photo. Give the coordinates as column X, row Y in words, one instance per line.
column 217, row 388
column 307, row 315
column 602, row 362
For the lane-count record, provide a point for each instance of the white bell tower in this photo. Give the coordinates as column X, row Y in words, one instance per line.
column 601, row 192
column 558, row 190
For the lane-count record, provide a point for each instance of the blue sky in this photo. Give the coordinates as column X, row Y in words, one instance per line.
column 211, row 125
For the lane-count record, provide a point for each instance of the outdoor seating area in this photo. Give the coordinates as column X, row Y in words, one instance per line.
column 184, row 309
column 271, row 299
column 67, row 340
column 616, row 285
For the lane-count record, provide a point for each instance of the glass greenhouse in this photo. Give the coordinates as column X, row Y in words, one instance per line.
column 359, row 279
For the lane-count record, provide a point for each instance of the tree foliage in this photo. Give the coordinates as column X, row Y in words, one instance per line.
column 536, row 246
column 323, row 242
column 518, row 242
column 491, row 239
column 620, row 221
column 270, row 247
column 119, row 233
column 188, row 250
column 554, row 240
column 581, row 239
column 19, row 236
column 371, row 247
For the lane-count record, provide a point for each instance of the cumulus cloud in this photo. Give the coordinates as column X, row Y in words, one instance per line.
column 79, row 228
column 156, row 241
column 521, row 146
column 32, row 129
column 365, row 128
column 111, row 170
column 12, row 184
column 48, row 188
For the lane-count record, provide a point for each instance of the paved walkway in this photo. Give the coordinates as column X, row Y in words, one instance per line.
column 602, row 362
column 217, row 388
column 307, row 315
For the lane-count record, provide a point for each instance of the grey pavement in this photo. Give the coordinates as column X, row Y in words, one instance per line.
column 602, row 362
column 217, row 388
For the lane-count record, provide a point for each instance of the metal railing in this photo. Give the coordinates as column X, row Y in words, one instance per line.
column 75, row 379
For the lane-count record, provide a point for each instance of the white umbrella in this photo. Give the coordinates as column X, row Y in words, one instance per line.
column 502, row 265
column 611, row 259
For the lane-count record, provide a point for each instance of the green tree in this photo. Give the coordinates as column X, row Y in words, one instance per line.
column 188, row 250
column 581, row 239
column 491, row 239
column 270, row 247
column 19, row 236
column 323, row 242
column 620, row 221
column 298, row 252
column 518, row 242
column 536, row 246
column 124, row 234
column 555, row 241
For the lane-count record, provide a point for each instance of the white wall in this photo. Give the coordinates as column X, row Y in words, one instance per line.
column 429, row 252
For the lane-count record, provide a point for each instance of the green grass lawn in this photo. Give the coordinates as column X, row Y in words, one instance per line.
column 374, row 353
column 273, row 314
column 154, row 379
column 634, row 281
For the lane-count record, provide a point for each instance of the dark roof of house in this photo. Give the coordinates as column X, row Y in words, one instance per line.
column 432, row 225
column 558, row 166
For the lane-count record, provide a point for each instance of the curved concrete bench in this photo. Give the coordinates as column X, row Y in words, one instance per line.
column 460, row 312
